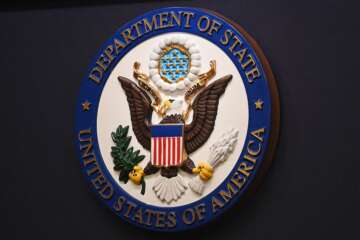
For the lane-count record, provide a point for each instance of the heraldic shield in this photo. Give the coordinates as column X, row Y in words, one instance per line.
column 167, row 145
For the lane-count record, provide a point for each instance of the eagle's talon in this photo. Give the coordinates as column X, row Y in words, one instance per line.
column 204, row 170
column 136, row 174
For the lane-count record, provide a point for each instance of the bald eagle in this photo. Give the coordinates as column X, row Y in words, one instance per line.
column 205, row 107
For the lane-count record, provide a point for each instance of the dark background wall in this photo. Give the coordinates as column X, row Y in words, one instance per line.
column 312, row 190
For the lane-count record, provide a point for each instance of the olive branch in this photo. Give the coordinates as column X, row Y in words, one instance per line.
column 124, row 157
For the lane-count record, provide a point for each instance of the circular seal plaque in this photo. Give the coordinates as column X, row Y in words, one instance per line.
column 177, row 119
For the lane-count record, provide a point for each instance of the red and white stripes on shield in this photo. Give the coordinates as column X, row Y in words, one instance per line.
column 166, row 151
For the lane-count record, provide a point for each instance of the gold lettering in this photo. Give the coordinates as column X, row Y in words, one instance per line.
column 249, row 61
column 127, row 36
column 98, row 181
column 207, row 24
column 240, row 54
column 107, row 191
column 250, row 158
column 149, row 26
column 108, row 52
column 244, row 169
column 118, row 205
column 176, row 18
column 88, row 148
column 226, row 37
column 235, row 43
column 188, row 16
column 252, row 74
column 137, row 28
column 238, row 180
column 88, row 161
column 130, row 207
column 228, row 193
column 138, row 216
column 118, row 45
column 200, row 211
column 258, row 134
column 216, row 204
column 87, row 140
column 149, row 213
column 189, row 216
column 163, row 18
column 93, row 169
column 215, row 26
column 96, row 74
column 103, row 62
column 171, row 219
column 160, row 219
column 251, row 151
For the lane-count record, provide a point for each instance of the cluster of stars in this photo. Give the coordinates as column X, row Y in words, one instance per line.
column 174, row 64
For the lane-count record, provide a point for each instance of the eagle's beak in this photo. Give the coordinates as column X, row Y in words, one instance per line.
column 165, row 106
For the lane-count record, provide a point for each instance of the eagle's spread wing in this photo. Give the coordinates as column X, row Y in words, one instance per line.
column 140, row 110
column 205, row 108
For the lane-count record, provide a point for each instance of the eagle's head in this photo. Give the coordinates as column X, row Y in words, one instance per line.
column 176, row 106
column 174, row 112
